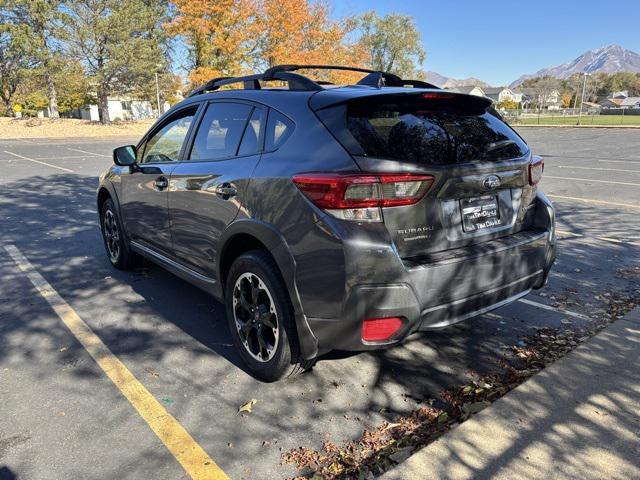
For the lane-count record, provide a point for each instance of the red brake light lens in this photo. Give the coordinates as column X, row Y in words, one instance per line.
column 348, row 191
column 438, row 96
column 380, row 329
column 536, row 167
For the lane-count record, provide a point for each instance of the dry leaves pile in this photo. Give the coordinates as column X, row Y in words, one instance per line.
column 391, row 443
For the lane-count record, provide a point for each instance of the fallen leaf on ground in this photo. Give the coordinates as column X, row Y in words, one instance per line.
column 247, row 406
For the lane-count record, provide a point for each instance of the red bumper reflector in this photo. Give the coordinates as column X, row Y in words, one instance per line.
column 380, row 329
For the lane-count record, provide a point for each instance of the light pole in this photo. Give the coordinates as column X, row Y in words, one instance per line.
column 158, row 94
column 584, row 85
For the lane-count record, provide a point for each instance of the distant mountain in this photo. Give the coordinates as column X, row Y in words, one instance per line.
column 610, row 59
column 448, row 82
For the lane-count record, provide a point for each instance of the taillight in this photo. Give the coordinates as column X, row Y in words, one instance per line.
column 360, row 196
column 380, row 329
column 536, row 167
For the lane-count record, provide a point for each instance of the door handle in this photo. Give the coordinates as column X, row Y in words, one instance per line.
column 161, row 183
column 226, row 190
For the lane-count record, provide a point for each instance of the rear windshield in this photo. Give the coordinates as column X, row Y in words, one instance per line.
column 428, row 131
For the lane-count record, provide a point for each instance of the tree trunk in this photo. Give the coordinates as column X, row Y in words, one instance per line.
column 53, row 97
column 103, row 107
column 7, row 107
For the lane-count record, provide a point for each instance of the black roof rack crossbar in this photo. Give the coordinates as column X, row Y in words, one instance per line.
column 300, row 82
column 293, row 68
column 252, row 82
column 383, row 79
column 375, row 78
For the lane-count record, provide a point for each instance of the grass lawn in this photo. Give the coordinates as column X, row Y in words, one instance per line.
column 573, row 120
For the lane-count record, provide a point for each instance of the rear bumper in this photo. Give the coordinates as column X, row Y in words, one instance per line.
column 446, row 288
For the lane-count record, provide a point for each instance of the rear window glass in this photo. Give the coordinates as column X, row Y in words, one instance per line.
column 431, row 132
column 220, row 131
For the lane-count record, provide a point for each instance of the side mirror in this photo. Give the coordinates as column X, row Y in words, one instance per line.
column 124, row 156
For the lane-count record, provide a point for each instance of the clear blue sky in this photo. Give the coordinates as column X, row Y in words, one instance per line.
column 497, row 41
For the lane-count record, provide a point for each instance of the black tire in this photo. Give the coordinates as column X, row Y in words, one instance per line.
column 115, row 242
column 256, row 269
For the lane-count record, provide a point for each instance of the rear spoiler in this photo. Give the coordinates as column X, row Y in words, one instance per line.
column 338, row 96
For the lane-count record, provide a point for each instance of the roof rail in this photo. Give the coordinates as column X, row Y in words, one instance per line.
column 252, row 82
column 375, row 78
column 296, row 81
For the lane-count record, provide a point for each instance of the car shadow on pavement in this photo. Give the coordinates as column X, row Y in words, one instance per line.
column 148, row 315
column 53, row 221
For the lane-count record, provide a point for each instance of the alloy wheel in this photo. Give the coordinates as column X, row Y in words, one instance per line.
column 255, row 316
column 111, row 235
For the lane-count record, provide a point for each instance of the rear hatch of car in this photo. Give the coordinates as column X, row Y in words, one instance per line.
column 477, row 169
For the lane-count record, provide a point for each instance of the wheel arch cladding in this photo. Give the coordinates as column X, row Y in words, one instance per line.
column 103, row 195
column 244, row 235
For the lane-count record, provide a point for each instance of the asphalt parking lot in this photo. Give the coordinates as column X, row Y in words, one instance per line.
column 62, row 417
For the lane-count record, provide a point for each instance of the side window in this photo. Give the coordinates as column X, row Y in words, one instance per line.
column 220, row 131
column 250, row 139
column 279, row 128
column 166, row 143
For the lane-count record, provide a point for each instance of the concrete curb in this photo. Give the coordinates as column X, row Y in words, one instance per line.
column 578, row 418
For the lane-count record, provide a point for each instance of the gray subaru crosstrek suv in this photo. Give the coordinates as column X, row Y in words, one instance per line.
column 332, row 217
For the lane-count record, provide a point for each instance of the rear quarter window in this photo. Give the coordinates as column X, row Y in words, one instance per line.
column 279, row 129
column 430, row 132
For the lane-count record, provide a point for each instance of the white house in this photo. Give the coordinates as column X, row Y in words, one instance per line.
column 630, row 102
column 551, row 100
column 470, row 90
column 499, row 94
column 119, row 109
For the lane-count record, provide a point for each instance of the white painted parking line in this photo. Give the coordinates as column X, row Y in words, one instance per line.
column 38, row 161
column 565, row 234
column 591, row 200
column 599, row 168
column 618, row 161
column 592, row 180
column 88, row 153
column 597, row 159
column 554, row 309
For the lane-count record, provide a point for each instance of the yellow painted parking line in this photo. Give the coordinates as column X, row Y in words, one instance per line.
column 592, row 200
column 195, row 461
column 38, row 161
column 592, row 180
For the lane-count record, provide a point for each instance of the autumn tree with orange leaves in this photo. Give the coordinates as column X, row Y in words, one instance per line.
column 220, row 35
column 232, row 37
